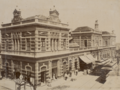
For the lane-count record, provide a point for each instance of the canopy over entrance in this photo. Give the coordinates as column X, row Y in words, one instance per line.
column 85, row 59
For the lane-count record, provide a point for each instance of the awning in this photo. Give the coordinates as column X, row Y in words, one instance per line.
column 91, row 58
column 85, row 59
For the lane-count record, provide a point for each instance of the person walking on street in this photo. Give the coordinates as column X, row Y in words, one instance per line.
column 21, row 77
column 2, row 73
column 48, row 82
column 76, row 72
column 66, row 76
column 54, row 77
column 73, row 76
column 70, row 73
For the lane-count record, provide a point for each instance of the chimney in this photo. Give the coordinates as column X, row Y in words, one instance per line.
column 96, row 25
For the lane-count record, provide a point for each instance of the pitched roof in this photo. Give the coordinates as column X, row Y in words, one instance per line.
column 38, row 16
column 83, row 29
column 105, row 32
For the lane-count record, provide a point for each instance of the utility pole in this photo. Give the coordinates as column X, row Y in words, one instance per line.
column 118, row 57
column 117, row 66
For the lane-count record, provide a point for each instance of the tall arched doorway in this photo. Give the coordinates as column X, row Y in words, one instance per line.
column 7, row 69
column 43, row 74
column 64, row 67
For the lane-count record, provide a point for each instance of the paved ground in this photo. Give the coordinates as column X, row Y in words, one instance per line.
column 82, row 82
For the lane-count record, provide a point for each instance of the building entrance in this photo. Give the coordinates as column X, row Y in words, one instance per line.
column 54, row 73
column 75, row 64
column 82, row 65
column 64, row 67
column 43, row 76
column 7, row 70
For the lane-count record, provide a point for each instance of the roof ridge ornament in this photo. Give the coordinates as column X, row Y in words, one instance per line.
column 54, row 7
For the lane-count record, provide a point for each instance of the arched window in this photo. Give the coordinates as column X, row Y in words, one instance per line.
column 106, row 43
column 28, row 69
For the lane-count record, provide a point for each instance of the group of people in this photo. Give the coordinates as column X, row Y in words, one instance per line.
column 17, row 75
column 71, row 74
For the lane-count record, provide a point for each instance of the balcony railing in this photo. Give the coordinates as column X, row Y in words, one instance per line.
column 89, row 48
column 51, row 53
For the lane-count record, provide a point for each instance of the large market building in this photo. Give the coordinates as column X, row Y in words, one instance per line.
column 44, row 46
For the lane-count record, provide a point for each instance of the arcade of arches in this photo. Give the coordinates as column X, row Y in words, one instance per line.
column 41, row 70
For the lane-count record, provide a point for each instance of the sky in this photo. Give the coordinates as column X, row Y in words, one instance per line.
column 76, row 13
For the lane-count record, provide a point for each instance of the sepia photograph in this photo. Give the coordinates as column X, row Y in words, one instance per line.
column 59, row 44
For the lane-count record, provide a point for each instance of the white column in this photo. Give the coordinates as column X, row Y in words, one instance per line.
column 50, row 69
column 59, row 41
column 52, row 44
column 80, row 41
column 58, row 67
column 15, row 45
column 78, row 66
column 55, row 44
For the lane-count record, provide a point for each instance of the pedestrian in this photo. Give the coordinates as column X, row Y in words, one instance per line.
column 17, row 74
column 66, row 76
column 21, row 77
column 28, row 77
column 54, row 77
column 76, row 72
column 2, row 73
column 73, row 76
column 49, row 82
column 70, row 73
column 14, row 72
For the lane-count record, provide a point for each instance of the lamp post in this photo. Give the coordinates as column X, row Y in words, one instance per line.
column 118, row 58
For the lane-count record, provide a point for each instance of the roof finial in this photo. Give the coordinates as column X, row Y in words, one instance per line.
column 54, row 7
column 16, row 7
column 112, row 31
column 96, row 22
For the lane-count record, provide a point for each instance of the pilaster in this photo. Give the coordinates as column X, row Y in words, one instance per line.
column 80, row 41
column 59, row 68
column 50, row 69
column 21, row 67
column 78, row 66
column 36, row 73
column 73, row 63
column 59, row 41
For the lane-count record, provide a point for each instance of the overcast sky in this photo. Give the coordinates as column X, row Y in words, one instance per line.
column 76, row 12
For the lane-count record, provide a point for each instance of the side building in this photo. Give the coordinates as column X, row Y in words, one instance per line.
column 43, row 46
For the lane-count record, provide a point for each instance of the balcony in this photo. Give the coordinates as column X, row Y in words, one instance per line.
column 52, row 53
column 73, row 49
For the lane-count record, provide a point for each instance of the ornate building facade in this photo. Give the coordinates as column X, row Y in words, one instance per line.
column 40, row 45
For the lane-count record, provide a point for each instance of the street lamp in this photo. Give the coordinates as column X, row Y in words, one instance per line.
column 117, row 54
